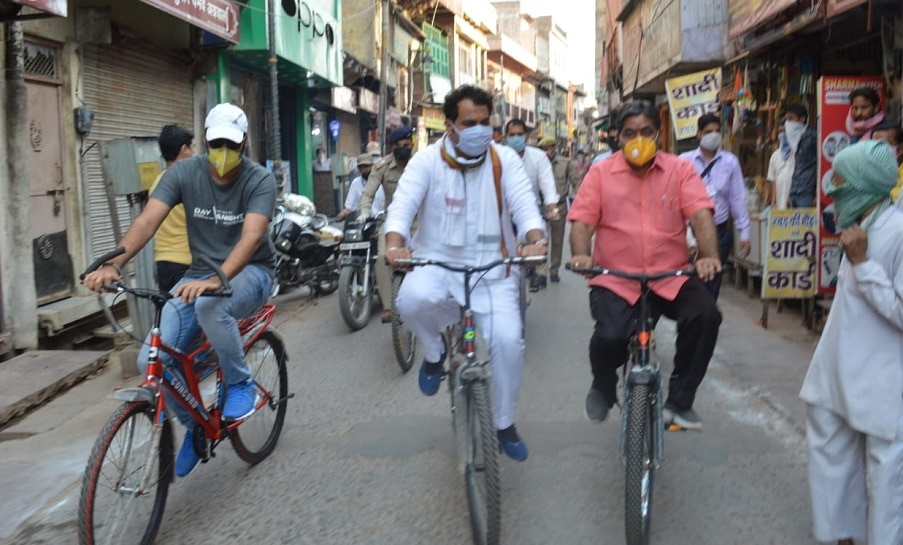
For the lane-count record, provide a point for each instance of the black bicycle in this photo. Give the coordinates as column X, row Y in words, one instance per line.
column 471, row 407
column 642, row 426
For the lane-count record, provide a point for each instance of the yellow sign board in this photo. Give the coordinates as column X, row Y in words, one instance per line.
column 434, row 119
column 792, row 254
column 691, row 96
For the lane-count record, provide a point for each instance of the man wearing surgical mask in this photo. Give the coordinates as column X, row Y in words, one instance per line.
column 631, row 215
column 467, row 193
column 723, row 178
column 539, row 171
column 229, row 201
column 803, row 143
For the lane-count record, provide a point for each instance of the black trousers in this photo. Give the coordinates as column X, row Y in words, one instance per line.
column 698, row 320
column 725, row 243
column 169, row 273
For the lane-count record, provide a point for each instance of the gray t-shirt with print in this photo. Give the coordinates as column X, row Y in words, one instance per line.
column 215, row 213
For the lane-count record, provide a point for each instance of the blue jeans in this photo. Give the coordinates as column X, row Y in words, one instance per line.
column 182, row 324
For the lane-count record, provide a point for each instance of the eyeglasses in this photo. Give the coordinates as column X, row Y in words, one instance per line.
column 647, row 132
column 220, row 142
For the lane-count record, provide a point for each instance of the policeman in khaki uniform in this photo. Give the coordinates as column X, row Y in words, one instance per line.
column 566, row 182
column 386, row 174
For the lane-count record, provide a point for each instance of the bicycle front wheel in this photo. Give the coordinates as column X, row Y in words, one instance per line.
column 403, row 341
column 481, row 472
column 255, row 437
column 639, row 453
column 127, row 479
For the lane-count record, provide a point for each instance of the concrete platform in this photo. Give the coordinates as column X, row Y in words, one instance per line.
column 30, row 379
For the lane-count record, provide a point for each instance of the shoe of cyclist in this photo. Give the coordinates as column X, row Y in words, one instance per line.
column 431, row 373
column 684, row 418
column 240, row 400
column 597, row 406
column 187, row 457
column 512, row 445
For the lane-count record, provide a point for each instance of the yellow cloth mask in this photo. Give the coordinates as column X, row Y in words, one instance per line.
column 224, row 160
column 640, row 150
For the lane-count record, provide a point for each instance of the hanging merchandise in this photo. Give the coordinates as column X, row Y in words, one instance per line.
column 738, row 97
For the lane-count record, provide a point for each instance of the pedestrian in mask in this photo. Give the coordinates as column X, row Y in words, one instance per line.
column 865, row 114
column 356, row 190
column 854, row 386
column 893, row 135
column 723, row 178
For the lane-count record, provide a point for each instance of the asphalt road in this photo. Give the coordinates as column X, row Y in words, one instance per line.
column 364, row 458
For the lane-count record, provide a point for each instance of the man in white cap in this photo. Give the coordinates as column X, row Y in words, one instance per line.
column 229, row 201
column 356, row 189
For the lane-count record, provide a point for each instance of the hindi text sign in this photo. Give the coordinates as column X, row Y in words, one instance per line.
column 792, row 251
column 218, row 17
column 691, row 96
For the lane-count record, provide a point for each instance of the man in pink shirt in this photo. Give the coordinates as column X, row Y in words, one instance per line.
column 637, row 205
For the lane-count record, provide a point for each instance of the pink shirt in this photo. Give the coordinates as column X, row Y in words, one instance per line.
column 640, row 223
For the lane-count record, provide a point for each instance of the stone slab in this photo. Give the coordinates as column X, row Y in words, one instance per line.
column 30, row 379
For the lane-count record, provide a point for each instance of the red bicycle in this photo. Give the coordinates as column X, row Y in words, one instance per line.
column 130, row 469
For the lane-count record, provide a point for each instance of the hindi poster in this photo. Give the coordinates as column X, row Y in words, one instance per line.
column 691, row 96
column 791, row 255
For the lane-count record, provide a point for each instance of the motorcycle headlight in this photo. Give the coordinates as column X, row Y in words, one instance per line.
column 283, row 244
column 353, row 235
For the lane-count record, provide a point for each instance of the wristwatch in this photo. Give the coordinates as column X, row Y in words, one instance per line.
column 540, row 242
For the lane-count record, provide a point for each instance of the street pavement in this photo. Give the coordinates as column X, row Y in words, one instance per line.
column 364, row 458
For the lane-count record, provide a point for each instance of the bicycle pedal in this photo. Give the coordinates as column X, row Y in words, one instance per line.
column 675, row 427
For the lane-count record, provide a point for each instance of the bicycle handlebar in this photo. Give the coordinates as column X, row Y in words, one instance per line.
column 224, row 291
column 642, row 277
column 420, row 262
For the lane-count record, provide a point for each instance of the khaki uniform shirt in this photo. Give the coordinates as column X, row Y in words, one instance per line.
column 385, row 173
column 565, row 177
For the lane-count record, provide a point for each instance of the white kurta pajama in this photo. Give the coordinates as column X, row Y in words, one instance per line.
column 854, row 389
column 459, row 223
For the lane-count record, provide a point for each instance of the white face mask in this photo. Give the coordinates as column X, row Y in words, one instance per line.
column 710, row 141
column 794, row 131
column 473, row 141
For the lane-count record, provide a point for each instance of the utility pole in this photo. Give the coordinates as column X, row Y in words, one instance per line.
column 274, row 138
column 503, row 101
column 383, row 77
column 20, row 294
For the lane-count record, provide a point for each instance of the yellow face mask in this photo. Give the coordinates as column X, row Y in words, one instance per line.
column 224, row 160
column 640, row 150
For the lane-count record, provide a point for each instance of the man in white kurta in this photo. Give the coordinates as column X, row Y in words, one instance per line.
column 450, row 187
column 854, row 387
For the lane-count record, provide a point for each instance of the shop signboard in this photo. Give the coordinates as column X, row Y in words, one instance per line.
column 55, row 7
column 345, row 99
column 835, row 7
column 218, row 17
column 791, row 254
column 748, row 14
column 833, row 107
column 368, row 101
column 434, row 119
column 691, row 96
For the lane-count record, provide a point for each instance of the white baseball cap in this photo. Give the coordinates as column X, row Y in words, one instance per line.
column 226, row 121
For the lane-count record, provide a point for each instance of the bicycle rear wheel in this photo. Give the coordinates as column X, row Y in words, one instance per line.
column 639, row 453
column 481, row 470
column 256, row 436
column 403, row 341
column 114, row 508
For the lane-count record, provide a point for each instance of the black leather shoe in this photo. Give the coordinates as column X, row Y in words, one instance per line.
column 555, row 278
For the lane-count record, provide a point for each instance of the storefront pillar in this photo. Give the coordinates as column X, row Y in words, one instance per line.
column 224, row 77
column 305, row 148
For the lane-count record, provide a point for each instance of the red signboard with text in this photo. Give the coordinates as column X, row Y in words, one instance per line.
column 218, row 17
column 56, row 7
column 833, row 106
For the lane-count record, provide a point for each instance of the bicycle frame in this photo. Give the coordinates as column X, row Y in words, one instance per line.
column 185, row 387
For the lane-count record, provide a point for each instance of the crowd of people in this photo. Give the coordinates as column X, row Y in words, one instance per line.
column 471, row 199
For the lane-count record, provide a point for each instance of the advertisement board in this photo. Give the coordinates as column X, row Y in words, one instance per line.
column 833, row 106
column 691, row 96
column 790, row 264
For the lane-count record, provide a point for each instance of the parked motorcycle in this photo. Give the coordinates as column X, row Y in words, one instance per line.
column 357, row 280
column 307, row 246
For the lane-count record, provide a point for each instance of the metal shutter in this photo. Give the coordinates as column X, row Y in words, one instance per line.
column 134, row 89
